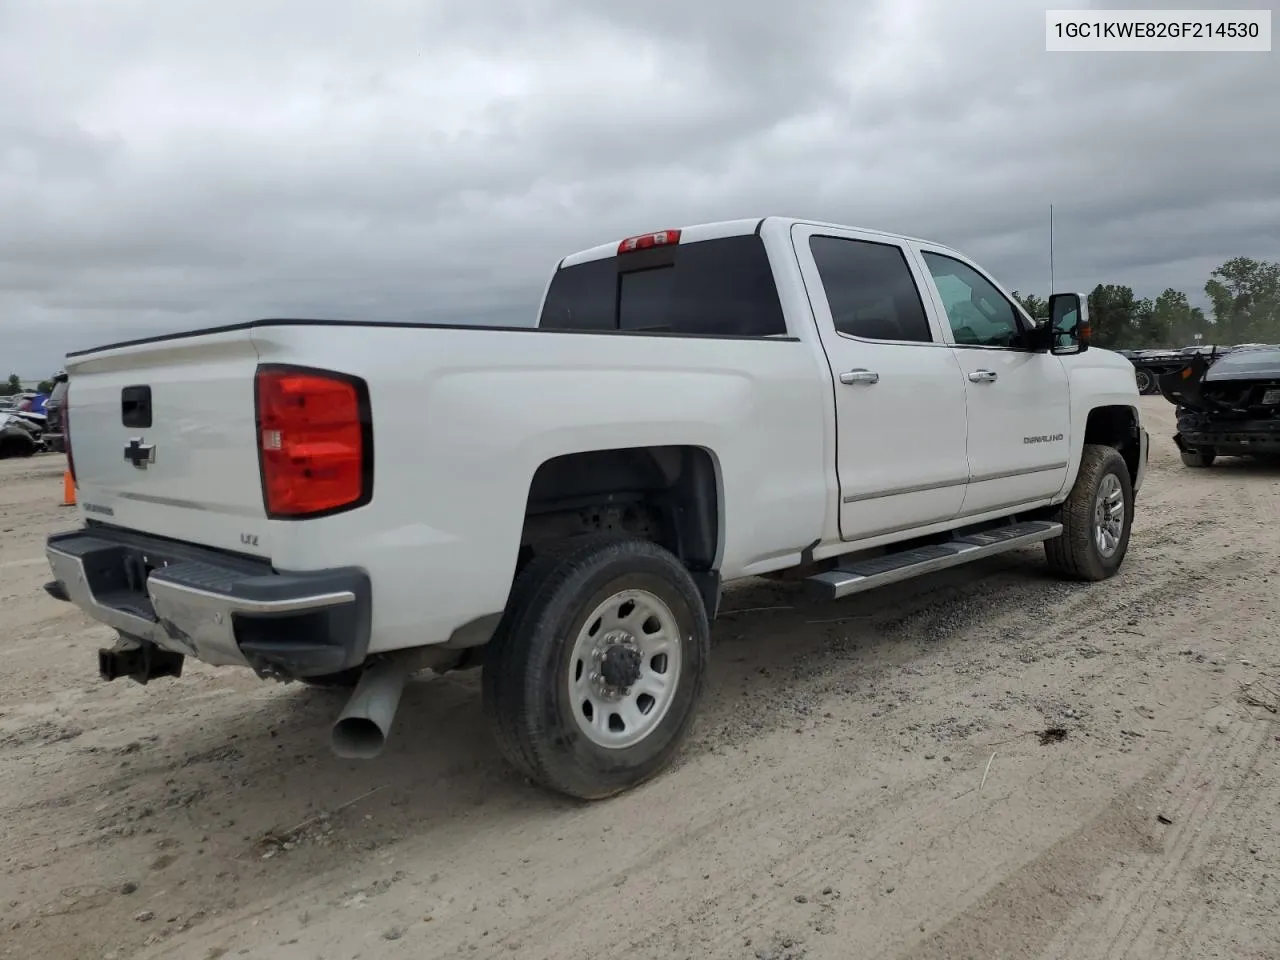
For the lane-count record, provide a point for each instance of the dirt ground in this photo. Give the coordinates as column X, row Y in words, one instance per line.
column 867, row 779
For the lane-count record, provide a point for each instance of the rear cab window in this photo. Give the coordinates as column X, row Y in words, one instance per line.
column 722, row 287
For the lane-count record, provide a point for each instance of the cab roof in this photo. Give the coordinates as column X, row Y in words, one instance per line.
column 729, row 228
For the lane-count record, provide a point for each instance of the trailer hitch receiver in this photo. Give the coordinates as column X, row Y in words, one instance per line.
column 139, row 660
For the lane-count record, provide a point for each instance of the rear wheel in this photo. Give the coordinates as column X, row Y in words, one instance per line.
column 1146, row 381
column 1096, row 518
column 1198, row 458
column 593, row 677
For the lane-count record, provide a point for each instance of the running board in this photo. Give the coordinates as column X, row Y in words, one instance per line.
column 861, row 575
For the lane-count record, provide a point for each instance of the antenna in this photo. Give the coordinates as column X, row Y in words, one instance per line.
column 1051, row 284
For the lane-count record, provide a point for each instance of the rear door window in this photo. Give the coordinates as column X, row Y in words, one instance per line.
column 870, row 290
column 711, row 288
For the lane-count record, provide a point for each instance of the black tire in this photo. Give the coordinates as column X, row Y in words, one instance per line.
column 17, row 446
column 525, row 680
column 1198, row 458
column 1146, row 381
column 1075, row 554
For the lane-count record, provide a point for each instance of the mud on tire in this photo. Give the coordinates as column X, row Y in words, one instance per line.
column 1077, row 554
column 537, row 680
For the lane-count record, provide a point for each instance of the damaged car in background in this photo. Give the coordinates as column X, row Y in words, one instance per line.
column 19, row 436
column 1228, row 407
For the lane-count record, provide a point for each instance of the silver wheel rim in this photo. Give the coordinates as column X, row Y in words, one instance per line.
column 1108, row 515
column 1144, row 381
column 633, row 640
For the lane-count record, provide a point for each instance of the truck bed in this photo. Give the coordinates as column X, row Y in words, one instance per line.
column 462, row 417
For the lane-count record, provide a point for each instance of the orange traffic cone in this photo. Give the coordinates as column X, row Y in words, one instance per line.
column 68, row 489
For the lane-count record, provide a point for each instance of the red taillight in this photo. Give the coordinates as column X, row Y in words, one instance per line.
column 315, row 442
column 663, row 238
column 65, row 414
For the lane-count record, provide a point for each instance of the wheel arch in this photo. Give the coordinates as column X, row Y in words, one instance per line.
column 1117, row 425
column 671, row 494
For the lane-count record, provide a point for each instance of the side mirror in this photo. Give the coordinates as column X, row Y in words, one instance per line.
column 1039, row 338
column 1069, row 322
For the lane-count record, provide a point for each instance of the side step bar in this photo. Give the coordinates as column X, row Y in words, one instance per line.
column 861, row 575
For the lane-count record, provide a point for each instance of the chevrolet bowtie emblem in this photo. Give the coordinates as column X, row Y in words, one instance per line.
column 140, row 454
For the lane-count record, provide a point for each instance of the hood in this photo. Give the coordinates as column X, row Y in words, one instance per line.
column 1182, row 387
column 1235, row 381
column 1252, row 364
column 1106, row 359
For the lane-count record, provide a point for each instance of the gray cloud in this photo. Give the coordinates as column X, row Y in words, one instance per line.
column 165, row 166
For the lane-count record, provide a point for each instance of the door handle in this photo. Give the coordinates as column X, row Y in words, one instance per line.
column 859, row 376
column 983, row 376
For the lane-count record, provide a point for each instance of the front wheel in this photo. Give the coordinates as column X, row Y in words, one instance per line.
column 1096, row 518
column 592, row 679
column 1146, row 381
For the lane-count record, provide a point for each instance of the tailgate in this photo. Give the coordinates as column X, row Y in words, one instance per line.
column 164, row 439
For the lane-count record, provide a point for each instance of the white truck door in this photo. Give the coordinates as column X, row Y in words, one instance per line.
column 899, row 393
column 1019, row 407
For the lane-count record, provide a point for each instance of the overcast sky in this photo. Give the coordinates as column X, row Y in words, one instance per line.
column 168, row 164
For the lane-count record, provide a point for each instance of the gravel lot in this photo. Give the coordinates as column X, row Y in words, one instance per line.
column 867, row 780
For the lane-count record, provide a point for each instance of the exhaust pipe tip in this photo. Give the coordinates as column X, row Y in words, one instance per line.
column 361, row 730
column 357, row 738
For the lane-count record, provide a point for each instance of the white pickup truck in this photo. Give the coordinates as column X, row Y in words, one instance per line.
column 344, row 503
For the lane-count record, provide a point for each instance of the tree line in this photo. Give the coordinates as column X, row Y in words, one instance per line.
column 1245, row 301
column 14, row 385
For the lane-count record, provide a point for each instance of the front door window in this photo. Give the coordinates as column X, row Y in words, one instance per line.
column 979, row 315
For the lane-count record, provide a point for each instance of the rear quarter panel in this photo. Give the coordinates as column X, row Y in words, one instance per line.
column 463, row 418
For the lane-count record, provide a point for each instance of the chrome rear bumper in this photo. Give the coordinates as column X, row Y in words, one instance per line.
column 221, row 610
